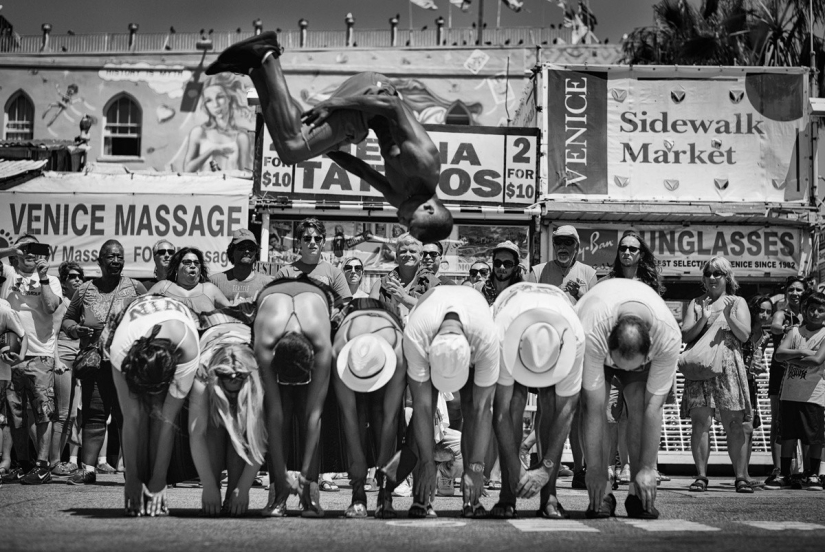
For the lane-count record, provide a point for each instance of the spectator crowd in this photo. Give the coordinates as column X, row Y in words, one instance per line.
column 411, row 384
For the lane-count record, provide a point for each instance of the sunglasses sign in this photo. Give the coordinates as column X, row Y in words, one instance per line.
column 682, row 251
column 678, row 134
column 479, row 165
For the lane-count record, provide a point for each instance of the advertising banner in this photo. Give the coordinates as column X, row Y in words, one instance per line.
column 76, row 225
column 479, row 165
column 678, row 135
column 683, row 250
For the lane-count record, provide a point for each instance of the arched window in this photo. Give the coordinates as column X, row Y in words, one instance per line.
column 122, row 128
column 19, row 118
column 458, row 114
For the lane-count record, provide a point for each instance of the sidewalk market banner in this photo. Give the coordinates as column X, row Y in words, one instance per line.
column 75, row 214
column 678, row 134
column 682, row 251
column 479, row 165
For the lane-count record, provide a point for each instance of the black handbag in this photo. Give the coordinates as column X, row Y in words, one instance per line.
column 89, row 358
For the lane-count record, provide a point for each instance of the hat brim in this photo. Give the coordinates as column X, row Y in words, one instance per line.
column 512, row 340
column 450, row 384
column 370, row 384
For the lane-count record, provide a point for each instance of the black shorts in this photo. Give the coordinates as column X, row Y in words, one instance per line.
column 626, row 376
column 803, row 421
column 775, row 375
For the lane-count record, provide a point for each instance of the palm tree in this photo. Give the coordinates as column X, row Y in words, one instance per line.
column 728, row 32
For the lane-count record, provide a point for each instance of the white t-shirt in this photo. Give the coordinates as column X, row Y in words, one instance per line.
column 479, row 329
column 138, row 321
column 597, row 312
column 522, row 297
column 23, row 294
column 804, row 383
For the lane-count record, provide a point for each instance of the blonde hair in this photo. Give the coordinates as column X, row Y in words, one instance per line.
column 245, row 421
column 722, row 264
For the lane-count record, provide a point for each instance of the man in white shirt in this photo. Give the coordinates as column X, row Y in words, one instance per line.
column 35, row 296
column 631, row 334
column 450, row 335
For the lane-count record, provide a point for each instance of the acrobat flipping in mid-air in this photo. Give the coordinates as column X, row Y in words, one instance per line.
column 364, row 102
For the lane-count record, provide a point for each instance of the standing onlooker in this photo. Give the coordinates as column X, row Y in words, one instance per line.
column 354, row 272
column 431, row 254
column 188, row 282
column 787, row 313
column 66, row 392
column 636, row 261
column 9, row 322
column 802, row 402
column 85, row 319
column 241, row 282
column 565, row 271
column 753, row 354
column 400, row 289
column 506, row 271
column 479, row 272
column 162, row 253
column 719, row 311
column 575, row 278
column 312, row 235
column 35, row 296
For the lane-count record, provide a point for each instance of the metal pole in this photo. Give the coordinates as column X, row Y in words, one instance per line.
column 480, row 40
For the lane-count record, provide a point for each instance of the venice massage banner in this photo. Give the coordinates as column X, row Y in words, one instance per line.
column 678, row 134
column 479, row 165
column 682, row 250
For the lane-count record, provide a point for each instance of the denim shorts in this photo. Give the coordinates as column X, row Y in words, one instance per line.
column 32, row 381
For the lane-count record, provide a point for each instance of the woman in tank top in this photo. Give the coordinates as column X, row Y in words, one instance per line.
column 188, row 282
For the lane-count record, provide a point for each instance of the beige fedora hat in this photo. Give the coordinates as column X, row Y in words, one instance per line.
column 539, row 347
column 366, row 363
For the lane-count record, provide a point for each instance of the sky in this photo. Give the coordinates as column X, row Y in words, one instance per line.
column 615, row 17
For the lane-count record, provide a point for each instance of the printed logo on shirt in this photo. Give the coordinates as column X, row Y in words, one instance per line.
column 152, row 305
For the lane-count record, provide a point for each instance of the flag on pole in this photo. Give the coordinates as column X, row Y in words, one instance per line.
column 569, row 14
column 514, row 5
column 464, row 5
column 425, row 4
column 586, row 16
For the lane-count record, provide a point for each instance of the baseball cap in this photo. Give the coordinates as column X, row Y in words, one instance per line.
column 566, row 231
column 508, row 246
column 366, row 363
column 449, row 362
column 242, row 235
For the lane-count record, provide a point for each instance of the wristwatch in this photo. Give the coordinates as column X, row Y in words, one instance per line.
column 477, row 467
column 547, row 464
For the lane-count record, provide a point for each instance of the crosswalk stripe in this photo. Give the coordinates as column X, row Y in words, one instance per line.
column 669, row 525
column 784, row 525
column 551, row 526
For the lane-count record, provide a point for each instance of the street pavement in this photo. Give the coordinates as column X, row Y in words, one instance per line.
column 59, row 517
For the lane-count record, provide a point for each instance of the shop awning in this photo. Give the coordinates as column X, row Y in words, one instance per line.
column 286, row 206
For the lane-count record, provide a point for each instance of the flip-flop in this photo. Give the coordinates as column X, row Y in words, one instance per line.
column 328, row 486
column 356, row 510
column 552, row 511
column 633, row 505
column 607, row 508
column 504, row 510
column 700, row 485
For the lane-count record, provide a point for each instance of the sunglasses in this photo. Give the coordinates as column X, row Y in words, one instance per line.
column 161, row 252
column 240, row 376
column 498, row 263
column 476, row 271
column 430, row 254
column 74, row 276
column 313, row 239
column 564, row 242
column 715, row 274
column 190, row 262
column 356, row 268
column 631, row 248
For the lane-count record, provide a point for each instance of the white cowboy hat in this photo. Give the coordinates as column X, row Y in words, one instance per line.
column 539, row 348
column 449, row 362
column 366, row 363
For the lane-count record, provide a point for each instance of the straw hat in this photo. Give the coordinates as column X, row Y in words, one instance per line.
column 366, row 363
column 539, row 347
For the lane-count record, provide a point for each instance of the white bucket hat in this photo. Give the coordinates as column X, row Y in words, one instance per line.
column 539, row 348
column 366, row 363
column 449, row 362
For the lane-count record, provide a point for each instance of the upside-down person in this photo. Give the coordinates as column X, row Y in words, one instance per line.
column 369, row 378
column 291, row 340
column 154, row 349
column 364, row 102
column 227, row 428
column 451, row 344
column 542, row 348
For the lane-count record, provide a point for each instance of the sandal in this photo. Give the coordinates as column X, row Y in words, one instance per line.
column 356, row 510
column 504, row 510
column 552, row 510
column 417, row 511
column 494, row 485
column 607, row 508
column 700, row 485
column 328, row 486
column 475, row 511
column 633, row 505
column 311, row 501
column 384, row 510
column 743, row 486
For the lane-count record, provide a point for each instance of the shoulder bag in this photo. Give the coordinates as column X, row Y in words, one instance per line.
column 90, row 357
column 702, row 359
